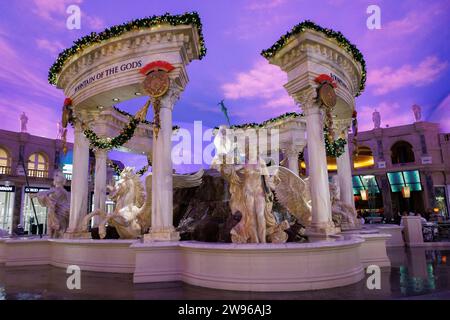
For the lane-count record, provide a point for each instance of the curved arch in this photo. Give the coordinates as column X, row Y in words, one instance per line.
column 5, row 160
column 38, row 164
column 402, row 152
column 365, row 157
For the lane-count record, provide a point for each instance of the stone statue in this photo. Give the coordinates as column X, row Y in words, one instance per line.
column 344, row 215
column 59, row 131
column 23, row 122
column 417, row 112
column 251, row 187
column 133, row 207
column 376, row 118
column 57, row 201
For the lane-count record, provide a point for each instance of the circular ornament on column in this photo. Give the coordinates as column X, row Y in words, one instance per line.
column 327, row 95
column 156, row 83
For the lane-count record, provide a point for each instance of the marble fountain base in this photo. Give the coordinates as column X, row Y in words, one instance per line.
column 248, row 267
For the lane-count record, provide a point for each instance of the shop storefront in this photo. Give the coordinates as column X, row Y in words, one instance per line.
column 29, row 219
column 6, row 207
column 406, row 191
column 368, row 197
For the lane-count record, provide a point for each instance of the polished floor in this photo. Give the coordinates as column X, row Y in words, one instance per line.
column 415, row 274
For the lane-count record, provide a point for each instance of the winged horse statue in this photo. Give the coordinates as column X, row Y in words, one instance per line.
column 133, row 207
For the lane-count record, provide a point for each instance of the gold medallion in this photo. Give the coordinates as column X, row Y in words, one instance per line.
column 327, row 95
column 156, row 83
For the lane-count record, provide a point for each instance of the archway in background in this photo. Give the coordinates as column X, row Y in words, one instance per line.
column 402, row 152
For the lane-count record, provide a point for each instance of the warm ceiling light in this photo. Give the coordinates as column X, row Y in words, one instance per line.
column 138, row 94
column 406, row 192
column 116, row 99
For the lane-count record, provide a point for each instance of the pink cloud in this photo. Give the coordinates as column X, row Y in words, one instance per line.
column 387, row 79
column 392, row 114
column 264, row 4
column 21, row 73
column 263, row 80
column 262, row 86
column 442, row 114
column 415, row 20
column 53, row 47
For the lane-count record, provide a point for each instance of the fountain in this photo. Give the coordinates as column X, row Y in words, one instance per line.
column 149, row 56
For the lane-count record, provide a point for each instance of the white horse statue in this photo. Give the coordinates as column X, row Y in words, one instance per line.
column 132, row 215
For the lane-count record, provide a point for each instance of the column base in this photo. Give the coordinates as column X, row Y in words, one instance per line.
column 162, row 234
column 77, row 235
column 321, row 231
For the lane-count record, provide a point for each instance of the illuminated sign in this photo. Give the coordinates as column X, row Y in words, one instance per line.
column 7, row 188
column 35, row 189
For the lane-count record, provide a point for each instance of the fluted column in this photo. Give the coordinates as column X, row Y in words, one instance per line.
column 162, row 228
column 292, row 156
column 79, row 185
column 344, row 165
column 100, row 183
column 321, row 223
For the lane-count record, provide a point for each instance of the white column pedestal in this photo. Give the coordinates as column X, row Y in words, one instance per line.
column 79, row 185
column 100, row 183
column 293, row 161
column 162, row 228
column 344, row 168
column 321, row 224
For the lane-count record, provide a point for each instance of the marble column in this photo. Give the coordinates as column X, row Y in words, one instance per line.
column 321, row 224
column 292, row 156
column 344, row 165
column 100, row 183
column 162, row 228
column 79, row 185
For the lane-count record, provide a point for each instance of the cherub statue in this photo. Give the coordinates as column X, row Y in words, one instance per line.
column 57, row 200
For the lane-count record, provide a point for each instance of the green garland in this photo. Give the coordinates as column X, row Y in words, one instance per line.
column 117, row 170
column 336, row 148
column 254, row 125
column 190, row 18
column 112, row 143
column 342, row 41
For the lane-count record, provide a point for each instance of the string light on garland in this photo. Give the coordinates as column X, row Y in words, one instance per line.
column 254, row 125
column 190, row 18
column 342, row 41
column 118, row 171
column 333, row 148
column 111, row 143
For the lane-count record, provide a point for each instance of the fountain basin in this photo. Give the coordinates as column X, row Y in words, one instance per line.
column 242, row 267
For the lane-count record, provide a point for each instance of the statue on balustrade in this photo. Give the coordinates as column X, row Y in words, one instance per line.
column 57, row 201
column 133, row 206
column 344, row 215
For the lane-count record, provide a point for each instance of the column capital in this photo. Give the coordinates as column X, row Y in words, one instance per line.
column 341, row 126
column 100, row 153
column 172, row 95
column 307, row 100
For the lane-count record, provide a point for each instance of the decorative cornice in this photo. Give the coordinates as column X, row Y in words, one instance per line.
column 84, row 43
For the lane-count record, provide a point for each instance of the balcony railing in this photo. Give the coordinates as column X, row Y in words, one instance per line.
column 68, row 176
column 5, row 170
column 37, row 173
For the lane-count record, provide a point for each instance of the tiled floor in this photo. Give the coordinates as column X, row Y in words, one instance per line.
column 415, row 273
